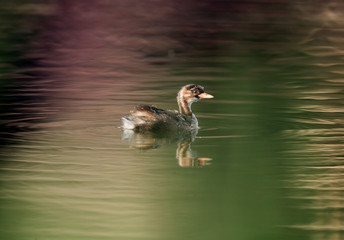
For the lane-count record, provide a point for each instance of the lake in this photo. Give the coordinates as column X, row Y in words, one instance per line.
column 267, row 162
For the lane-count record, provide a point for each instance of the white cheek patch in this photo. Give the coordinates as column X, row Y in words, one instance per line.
column 192, row 100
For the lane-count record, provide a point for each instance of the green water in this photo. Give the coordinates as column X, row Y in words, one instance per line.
column 267, row 162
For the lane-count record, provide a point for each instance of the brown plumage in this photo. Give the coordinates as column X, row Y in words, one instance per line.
column 150, row 118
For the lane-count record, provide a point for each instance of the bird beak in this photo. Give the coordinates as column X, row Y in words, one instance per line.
column 205, row 95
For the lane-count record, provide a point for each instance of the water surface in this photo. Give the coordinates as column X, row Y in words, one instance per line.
column 265, row 164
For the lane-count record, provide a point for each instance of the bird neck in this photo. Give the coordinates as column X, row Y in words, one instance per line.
column 184, row 105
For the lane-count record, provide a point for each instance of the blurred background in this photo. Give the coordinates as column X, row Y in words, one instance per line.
column 272, row 138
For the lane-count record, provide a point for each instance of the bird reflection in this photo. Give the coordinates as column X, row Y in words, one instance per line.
column 151, row 140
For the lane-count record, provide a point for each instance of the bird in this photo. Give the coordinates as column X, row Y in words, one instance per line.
column 150, row 118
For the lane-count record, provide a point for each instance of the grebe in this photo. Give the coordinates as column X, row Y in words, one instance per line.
column 150, row 118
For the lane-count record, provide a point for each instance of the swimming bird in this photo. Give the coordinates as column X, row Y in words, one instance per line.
column 149, row 118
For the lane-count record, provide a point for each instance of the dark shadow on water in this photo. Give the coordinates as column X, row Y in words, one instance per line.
column 19, row 98
column 151, row 140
